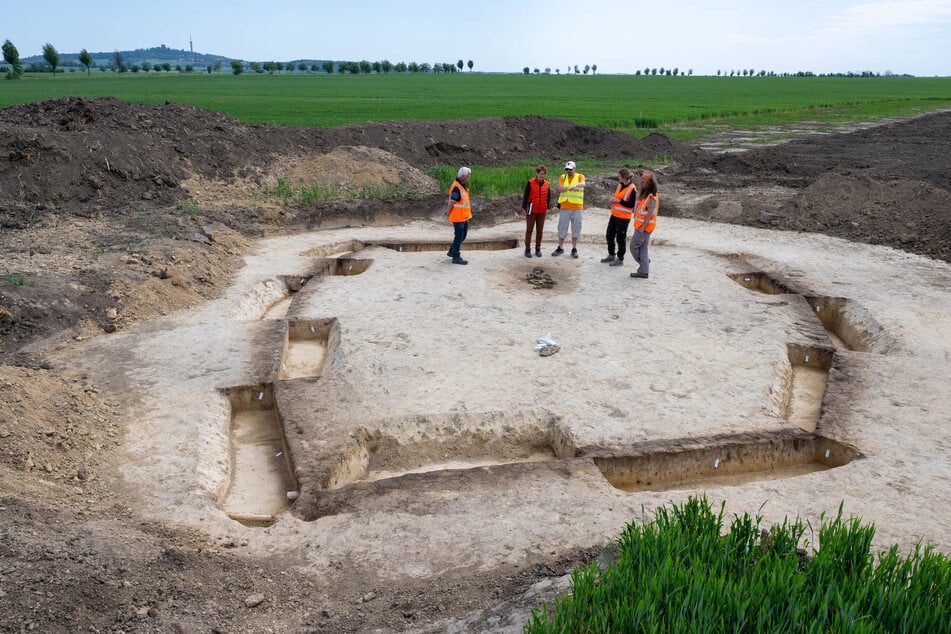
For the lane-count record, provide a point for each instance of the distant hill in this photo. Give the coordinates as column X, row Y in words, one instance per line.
column 156, row 54
column 152, row 55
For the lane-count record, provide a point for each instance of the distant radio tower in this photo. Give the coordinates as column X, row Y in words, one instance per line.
column 190, row 47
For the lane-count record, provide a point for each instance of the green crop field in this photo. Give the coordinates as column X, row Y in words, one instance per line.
column 679, row 106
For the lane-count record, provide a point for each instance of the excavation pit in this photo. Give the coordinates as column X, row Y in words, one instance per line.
column 808, row 378
column 306, row 348
column 381, row 457
column 262, row 483
column 725, row 462
column 468, row 245
column 762, row 283
column 849, row 325
column 343, row 266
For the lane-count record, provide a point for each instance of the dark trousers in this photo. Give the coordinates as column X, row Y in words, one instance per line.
column 534, row 222
column 460, row 231
column 617, row 235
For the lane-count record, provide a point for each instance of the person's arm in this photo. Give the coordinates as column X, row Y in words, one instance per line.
column 528, row 191
column 453, row 198
column 561, row 188
column 548, row 203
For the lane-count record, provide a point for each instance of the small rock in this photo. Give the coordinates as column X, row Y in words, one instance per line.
column 112, row 313
column 254, row 600
column 369, row 596
column 4, row 433
column 325, row 613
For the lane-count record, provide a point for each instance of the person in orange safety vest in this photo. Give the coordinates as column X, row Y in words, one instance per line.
column 459, row 212
column 645, row 219
column 622, row 206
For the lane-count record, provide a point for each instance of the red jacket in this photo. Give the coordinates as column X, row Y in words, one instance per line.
column 538, row 196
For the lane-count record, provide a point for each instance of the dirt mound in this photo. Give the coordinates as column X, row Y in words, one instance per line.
column 94, row 157
column 883, row 185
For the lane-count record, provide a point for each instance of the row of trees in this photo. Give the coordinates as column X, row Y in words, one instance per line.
column 366, row 67
column 12, row 57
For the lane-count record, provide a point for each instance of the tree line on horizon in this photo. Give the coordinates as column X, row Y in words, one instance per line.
column 118, row 64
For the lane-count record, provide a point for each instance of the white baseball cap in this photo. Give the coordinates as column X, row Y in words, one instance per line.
column 570, row 165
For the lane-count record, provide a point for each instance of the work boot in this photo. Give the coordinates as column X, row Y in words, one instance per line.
column 558, row 251
column 617, row 262
column 528, row 253
column 610, row 258
column 459, row 260
column 643, row 276
column 538, row 253
column 574, row 253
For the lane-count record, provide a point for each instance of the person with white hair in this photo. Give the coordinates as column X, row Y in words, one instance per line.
column 459, row 212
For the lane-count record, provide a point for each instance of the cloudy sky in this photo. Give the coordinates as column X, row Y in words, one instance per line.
column 901, row 36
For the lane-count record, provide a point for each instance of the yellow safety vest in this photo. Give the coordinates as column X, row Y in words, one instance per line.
column 572, row 199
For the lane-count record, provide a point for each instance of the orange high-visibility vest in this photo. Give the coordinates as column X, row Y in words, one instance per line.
column 573, row 199
column 640, row 213
column 538, row 196
column 461, row 211
column 623, row 193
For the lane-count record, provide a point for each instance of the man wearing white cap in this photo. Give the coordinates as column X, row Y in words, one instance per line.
column 571, row 202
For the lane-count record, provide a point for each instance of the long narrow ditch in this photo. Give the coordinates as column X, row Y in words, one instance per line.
column 849, row 326
column 725, row 462
column 670, row 465
column 262, row 484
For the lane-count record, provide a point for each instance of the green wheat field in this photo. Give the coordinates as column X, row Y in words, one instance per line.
column 682, row 107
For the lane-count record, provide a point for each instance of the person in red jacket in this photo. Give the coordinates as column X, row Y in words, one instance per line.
column 536, row 201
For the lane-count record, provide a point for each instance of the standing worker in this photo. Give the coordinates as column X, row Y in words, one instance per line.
column 571, row 202
column 459, row 212
column 645, row 219
column 536, row 201
column 622, row 205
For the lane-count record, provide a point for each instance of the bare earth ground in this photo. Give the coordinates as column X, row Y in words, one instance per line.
column 447, row 477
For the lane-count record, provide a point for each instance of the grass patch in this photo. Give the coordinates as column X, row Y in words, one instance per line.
column 681, row 573
column 189, row 207
column 284, row 193
column 13, row 280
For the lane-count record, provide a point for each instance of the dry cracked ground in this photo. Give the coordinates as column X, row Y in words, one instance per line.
column 221, row 411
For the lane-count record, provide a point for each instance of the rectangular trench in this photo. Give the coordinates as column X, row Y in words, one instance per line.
column 307, row 346
column 262, row 483
column 725, row 463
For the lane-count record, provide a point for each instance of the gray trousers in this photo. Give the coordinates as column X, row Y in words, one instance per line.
column 639, row 242
column 572, row 216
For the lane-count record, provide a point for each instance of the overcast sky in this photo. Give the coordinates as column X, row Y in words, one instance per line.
column 901, row 36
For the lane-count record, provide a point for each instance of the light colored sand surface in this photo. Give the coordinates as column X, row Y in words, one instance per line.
column 430, row 368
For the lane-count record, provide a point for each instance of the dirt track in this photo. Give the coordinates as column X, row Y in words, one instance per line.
column 95, row 221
